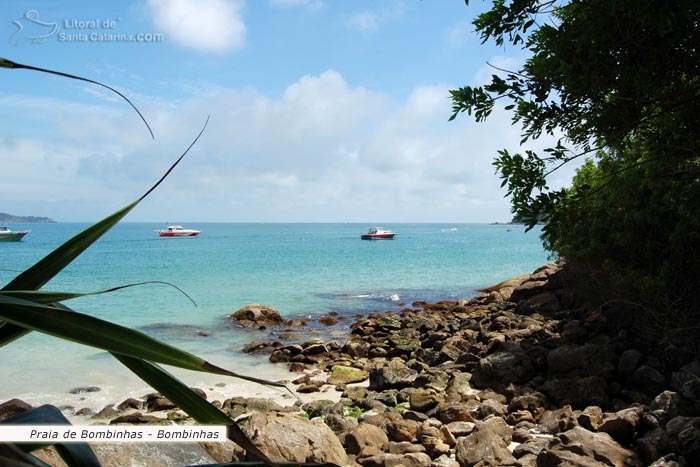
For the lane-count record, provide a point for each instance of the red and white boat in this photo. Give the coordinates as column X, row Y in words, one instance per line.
column 178, row 231
column 378, row 233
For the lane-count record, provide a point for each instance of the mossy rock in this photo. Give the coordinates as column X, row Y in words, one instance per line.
column 347, row 375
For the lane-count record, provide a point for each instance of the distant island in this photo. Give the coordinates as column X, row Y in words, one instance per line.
column 9, row 219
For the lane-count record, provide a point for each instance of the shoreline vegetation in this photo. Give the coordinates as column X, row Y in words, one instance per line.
column 543, row 369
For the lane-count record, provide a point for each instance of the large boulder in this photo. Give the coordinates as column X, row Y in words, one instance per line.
column 257, row 315
column 579, row 446
column 288, row 438
column 366, row 435
column 510, row 364
column 483, row 444
column 392, row 375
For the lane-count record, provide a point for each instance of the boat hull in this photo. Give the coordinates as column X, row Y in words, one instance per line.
column 12, row 237
column 377, row 236
column 178, row 234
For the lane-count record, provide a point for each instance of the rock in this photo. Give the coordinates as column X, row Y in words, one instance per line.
column 130, row 404
column 327, row 320
column 84, row 389
column 287, row 438
column 454, row 412
column 622, row 426
column 422, row 401
column 629, row 360
column 136, row 418
column 566, row 358
column 433, row 440
column 689, row 372
column 591, row 417
column 648, row 380
column 108, row 412
column 256, row 315
column 684, row 436
column 237, row 406
column 481, row 445
column 534, row 402
column 577, row 392
column 339, row 424
column 13, row 407
column 528, row 288
column 558, row 420
column 365, row 435
column 652, row 445
column 670, row 460
column 402, row 430
column 492, row 407
column 510, row 364
column 458, row 386
column 579, row 446
column 498, row 426
column 286, row 353
column 158, row 404
column 459, row 429
column 262, row 347
column 347, row 375
column 394, row 374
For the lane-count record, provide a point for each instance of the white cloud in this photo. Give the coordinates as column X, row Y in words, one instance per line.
column 204, row 25
column 371, row 21
column 324, row 150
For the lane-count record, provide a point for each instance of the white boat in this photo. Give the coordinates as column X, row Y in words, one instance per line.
column 178, row 231
column 7, row 235
column 378, row 233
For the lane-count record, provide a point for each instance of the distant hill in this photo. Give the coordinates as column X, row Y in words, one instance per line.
column 9, row 218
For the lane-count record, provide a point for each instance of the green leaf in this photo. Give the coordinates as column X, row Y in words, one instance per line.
column 46, row 297
column 49, row 266
column 88, row 330
column 4, row 63
column 74, row 454
column 189, row 401
column 12, row 456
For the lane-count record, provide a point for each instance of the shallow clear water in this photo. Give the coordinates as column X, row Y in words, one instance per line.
column 301, row 269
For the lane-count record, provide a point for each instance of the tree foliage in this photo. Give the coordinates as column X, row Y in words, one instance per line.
column 616, row 82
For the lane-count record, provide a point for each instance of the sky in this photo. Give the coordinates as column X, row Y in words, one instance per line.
column 319, row 111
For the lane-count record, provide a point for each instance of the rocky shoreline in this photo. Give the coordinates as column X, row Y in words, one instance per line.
column 538, row 371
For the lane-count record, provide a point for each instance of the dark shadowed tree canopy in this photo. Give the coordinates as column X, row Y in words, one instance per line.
column 616, row 82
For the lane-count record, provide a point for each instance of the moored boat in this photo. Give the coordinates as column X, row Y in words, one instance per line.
column 378, row 233
column 178, row 231
column 7, row 235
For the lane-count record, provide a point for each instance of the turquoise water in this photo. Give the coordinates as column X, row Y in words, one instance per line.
column 303, row 270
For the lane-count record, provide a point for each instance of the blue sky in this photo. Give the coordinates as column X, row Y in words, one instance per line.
column 321, row 111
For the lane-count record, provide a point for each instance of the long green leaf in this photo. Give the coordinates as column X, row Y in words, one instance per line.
column 47, row 297
column 74, row 454
column 189, row 401
column 12, row 456
column 95, row 332
column 49, row 266
column 5, row 63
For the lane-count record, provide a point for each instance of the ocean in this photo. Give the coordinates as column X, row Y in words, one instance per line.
column 303, row 270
